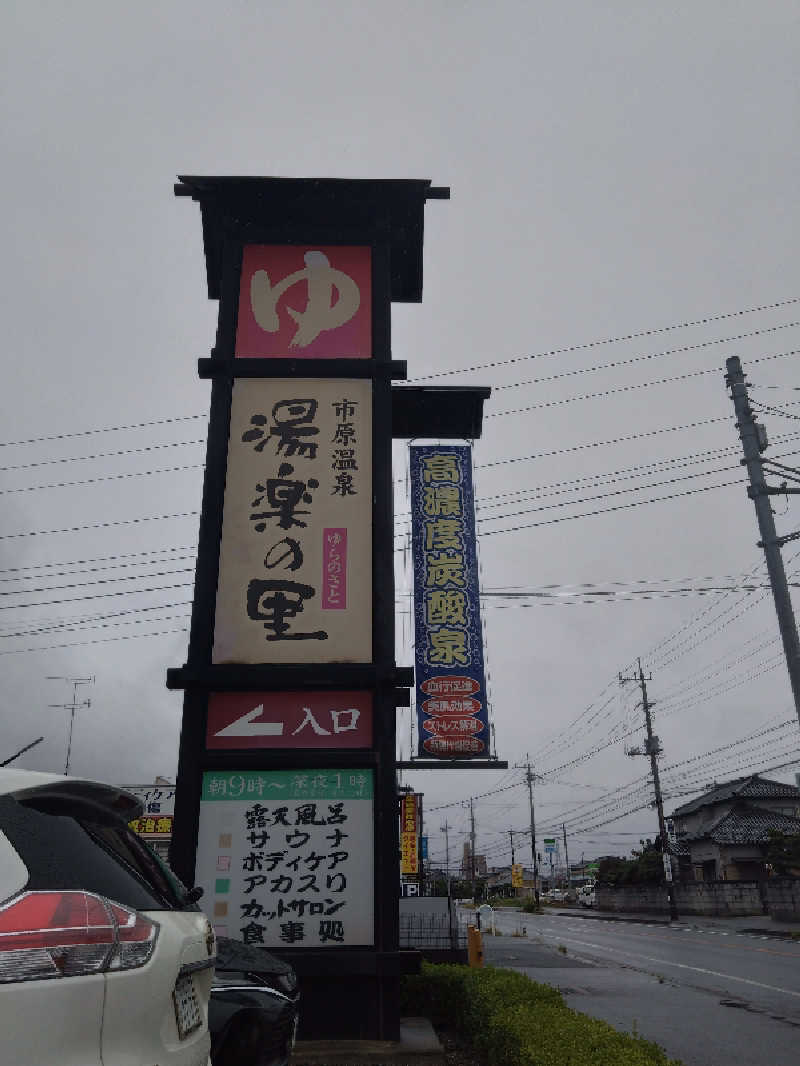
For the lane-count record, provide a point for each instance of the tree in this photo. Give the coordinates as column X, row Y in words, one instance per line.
column 783, row 853
column 645, row 866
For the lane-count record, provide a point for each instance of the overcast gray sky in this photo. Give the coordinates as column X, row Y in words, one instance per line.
column 615, row 169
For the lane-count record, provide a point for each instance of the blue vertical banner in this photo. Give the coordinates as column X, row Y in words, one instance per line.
column 452, row 712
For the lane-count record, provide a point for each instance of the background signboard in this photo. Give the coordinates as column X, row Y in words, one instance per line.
column 295, row 565
column 409, row 846
column 452, row 713
column 159, row 809
column 409, row 854
column 285, row 857
column 549, row 844
column 309, row 719
column 305, row 302
column 516, row 875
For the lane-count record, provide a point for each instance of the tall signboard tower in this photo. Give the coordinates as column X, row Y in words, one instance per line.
column 286, row 806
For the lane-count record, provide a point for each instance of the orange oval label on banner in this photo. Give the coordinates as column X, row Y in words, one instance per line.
column 444, row 706
column 452, row 726
column 449, row 685
column 453, row 745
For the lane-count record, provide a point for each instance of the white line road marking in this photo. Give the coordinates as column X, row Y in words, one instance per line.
column 685, row 966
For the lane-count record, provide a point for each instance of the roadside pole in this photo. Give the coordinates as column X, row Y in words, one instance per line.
column 566, row 856
column 472, row 849
column 529, row 777
column 754, row 442
column 652, row 748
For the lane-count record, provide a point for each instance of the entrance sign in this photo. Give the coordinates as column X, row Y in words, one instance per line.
column 305, row 301
column 452, row 713
column 307, row 719
column 285, row 857
column 295, row 565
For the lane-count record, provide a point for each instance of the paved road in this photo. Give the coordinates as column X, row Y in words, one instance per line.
column 708, row 997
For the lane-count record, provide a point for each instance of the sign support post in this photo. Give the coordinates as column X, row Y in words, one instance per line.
column 290, row 684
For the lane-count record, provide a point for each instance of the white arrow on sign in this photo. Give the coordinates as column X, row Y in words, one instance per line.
column 247, row 727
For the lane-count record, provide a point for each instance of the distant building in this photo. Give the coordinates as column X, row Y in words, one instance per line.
column 723, row 834
column 466, row 864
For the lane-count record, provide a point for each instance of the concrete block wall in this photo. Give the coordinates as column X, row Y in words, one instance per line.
column 709, row 898
column 783, row 898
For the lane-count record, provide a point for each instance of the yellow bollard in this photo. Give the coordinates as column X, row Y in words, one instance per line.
column 474, row 946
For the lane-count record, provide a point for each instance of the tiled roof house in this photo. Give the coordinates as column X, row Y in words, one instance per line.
column 725, row 831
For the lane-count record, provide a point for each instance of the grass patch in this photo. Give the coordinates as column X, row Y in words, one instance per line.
column 510, row 1020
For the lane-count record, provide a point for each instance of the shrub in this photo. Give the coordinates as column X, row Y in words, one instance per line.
column 513, row 1021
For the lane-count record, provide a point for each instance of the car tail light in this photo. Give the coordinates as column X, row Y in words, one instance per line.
column 70, row 934
column 136, row 938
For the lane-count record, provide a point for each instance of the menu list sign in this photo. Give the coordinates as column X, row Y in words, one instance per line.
column 285, row 857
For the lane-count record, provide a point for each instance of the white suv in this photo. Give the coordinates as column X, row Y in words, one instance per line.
column 105, row 959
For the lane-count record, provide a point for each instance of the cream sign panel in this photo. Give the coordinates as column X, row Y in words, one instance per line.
column 295, row 574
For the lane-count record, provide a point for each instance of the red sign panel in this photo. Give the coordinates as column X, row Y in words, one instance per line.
column 289, row 720
column 305, row 302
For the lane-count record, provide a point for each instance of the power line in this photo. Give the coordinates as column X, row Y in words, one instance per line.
column 103, row 477
column 773, row 410
column 607, row 510
column 100, row 455
column 612, row 340
column 93, row 569
column 104, row 640
column 95, row 559
column 100, row 525
column 99, row 581
column 69, row 623
column 626, row 388
column 94, row 596
column 105, row 429
column 643, row 358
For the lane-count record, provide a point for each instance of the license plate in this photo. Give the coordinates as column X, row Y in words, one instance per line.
column 188, row 1015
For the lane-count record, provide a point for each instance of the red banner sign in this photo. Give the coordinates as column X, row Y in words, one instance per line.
column 304, row 302
column 289, row 720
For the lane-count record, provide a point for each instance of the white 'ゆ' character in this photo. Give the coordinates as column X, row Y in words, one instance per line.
column 321, row 312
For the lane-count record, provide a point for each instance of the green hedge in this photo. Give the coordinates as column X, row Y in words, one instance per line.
column 513, row 1021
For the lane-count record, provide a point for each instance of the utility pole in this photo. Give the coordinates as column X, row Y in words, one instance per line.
column 72, row 708
column 652, row 748
column 511, row 836
column 529, row 777
column 566, row 854
column 754, row 441
column 446, row 829
column 472, row 848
